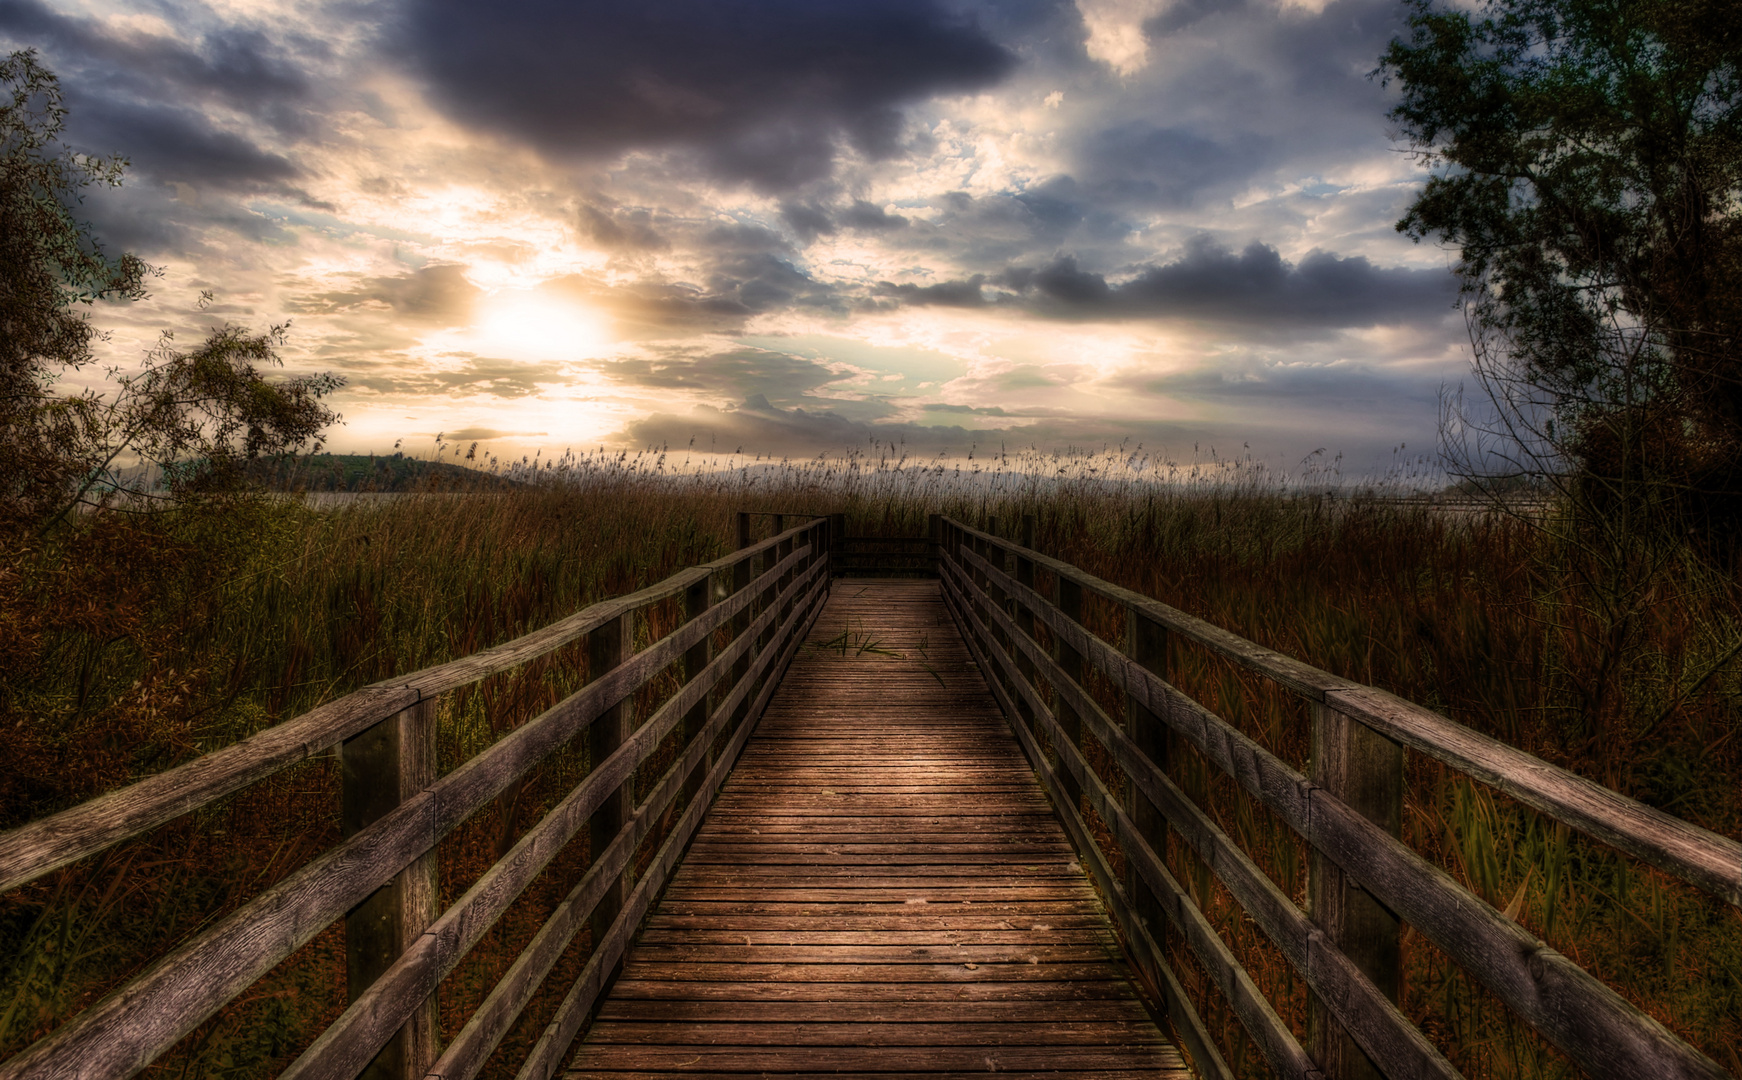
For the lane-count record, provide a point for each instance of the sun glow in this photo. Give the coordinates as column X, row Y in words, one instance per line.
column 521, row 325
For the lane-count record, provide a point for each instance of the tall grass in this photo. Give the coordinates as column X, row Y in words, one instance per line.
column 142, row 642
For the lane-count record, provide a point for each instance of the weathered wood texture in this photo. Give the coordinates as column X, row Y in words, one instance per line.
column 392, row 826
column 30, row 851
column 1365, row 879
column 879, row 888
column 1695, row 855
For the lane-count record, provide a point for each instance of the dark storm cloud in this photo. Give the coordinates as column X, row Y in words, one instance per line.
column 240, row 66
column 622, row 230
column 1256, row 287
column 965, row 294
column 761, row 90
column 179, row 145
column 440, row 295
column 1141, row 164
column 994, row 230
column 1260, row 92
column 868, row 218
column 144, row 97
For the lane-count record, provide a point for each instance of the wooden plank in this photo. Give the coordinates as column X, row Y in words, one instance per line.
column 1064, row 994
column 1141, row 1032
column 834, row 1074
column 817, row 890
column 1354, row 999
column 907, row 1060
column 1128, row 1010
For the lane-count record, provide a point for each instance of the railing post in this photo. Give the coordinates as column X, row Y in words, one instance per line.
column 1068, row 598
column 696, row 601
column 741, row 574
column 607, row 647
column 997, row 598
column 1024, row 616
column 779, row 591
column 381, row 767
column 1355, row 764
column 837, row 543
column 1146, row 643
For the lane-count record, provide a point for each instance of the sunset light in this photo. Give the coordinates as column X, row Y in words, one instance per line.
column 519, row 325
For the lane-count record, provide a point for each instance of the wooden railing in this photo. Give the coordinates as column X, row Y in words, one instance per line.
column 1023, row 616
column 380, row 878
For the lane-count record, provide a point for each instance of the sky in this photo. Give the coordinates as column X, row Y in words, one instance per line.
column 780, row 227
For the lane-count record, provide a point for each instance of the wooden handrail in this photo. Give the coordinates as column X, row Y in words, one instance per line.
column 1680, row 848
column 29, row 851
column 1587, row 1020
column 1327, row 970
column 767, row 612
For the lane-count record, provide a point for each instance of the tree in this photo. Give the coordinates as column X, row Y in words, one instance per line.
column 1586, row 164
column 197, row 416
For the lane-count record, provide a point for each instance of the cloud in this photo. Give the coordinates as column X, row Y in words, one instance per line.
column 438, row 295
column 757, row 427
column 241, row 66
column 761, row 91
column 149, row 97
column 735, row 375
column 622, row 230
column 476, row 375
column 483, row 434
column 1256, row 287
column 1140, row 164
column 964, row 294
column 1318, row 386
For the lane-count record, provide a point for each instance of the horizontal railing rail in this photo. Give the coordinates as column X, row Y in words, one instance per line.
column 1364, row 882
column 380, row 877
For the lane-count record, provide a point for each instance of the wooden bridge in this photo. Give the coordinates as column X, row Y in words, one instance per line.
column 916, row 824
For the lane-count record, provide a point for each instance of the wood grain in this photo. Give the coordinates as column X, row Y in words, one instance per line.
column 1572, row 1009
column 1693, row 854
column 826, row 921
column 29, row 851
column 362, row 1027
column 128, row 1029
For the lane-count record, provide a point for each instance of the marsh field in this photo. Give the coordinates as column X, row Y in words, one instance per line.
column 134, row 643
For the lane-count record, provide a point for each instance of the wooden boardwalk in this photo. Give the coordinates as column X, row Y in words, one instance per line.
column 880, row 889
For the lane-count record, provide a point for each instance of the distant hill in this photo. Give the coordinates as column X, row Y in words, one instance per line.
column 370, row 472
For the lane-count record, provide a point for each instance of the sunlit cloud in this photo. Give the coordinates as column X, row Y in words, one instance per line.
column 904, row 218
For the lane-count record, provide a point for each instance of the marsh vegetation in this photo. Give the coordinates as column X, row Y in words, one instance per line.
column 140, row 641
